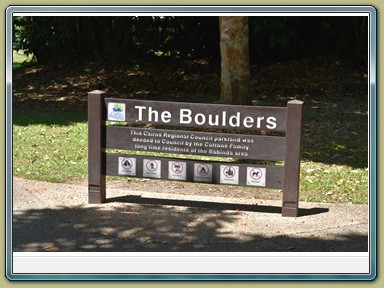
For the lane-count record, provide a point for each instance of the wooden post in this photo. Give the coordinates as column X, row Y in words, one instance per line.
column 292, row 159
column 96, row 147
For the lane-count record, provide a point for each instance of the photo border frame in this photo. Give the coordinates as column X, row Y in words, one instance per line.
column 171, row 9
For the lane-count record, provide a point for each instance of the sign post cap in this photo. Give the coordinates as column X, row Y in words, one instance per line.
column 96, row 92
column 299, row 102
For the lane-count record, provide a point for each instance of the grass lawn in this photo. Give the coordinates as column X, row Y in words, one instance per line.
column 54, row 152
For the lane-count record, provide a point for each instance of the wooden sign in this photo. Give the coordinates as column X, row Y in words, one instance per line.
column 103, row 112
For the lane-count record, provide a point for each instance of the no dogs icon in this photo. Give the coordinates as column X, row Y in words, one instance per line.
column 256, row 176
column 256, row 173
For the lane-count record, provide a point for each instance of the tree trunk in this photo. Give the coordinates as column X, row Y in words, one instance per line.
column 235, row 69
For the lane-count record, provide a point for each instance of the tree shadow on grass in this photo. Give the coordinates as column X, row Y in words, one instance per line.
column 49, row 119
column 336, row 132
column 144, row 227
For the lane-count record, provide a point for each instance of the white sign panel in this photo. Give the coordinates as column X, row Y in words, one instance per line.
column 116, row 111
column 202, row 172
column 151, row 168
column 127, row 166
column 229, row 174
column 177, row 170
column 256, row 176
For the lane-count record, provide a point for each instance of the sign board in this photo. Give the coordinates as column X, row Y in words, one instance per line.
column 116, row 111
column 202, row 172
column 127, row 166
column 256, row 176
column 196, row 143
column 229, row 174
column 177, row 170
column 250, row 118
column 152, row 168
column 280, row 143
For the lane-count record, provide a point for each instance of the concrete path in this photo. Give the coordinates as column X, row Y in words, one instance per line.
column 57, row 217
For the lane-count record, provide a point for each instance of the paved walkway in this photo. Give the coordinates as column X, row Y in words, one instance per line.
column 57, row 217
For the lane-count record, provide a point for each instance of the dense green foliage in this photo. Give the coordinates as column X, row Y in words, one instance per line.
column 63, row 38
column 283, row 38
column 271, row 38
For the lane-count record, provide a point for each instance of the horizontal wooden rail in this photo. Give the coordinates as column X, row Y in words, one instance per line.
column 274, row 179
column 255, row 118
column 197, row 143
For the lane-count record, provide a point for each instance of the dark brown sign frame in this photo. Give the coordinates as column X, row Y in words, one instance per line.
column 191, row 115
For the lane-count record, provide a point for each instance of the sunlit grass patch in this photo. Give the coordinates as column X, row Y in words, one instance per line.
column 322, row 182
column 19, row 58
column 50, row 152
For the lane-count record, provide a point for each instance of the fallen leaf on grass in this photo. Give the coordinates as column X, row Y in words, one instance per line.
column 340, row 182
